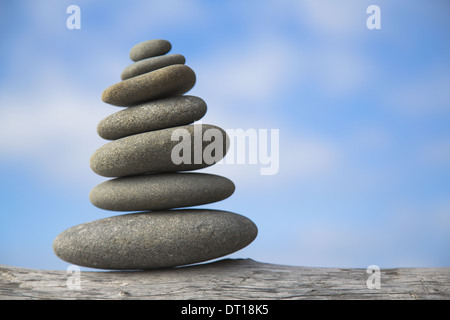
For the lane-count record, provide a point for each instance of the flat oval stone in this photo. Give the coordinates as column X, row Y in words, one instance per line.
column 151, row 64
column 153, row 115
column 160, row 191
column 160, row 239
column 168, row 81
column 149, row 48
column 192, row 147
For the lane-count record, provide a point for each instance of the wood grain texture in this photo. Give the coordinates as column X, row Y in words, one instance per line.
column 233, row 279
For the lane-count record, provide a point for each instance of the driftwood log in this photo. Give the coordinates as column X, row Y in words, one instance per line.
column 227, row 279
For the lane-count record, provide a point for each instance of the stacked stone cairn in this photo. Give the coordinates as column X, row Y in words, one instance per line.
column 148, row 183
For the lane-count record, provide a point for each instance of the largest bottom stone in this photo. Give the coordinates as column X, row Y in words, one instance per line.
column 149, row 240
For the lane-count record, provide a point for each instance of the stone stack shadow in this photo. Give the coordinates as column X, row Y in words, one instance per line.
column 146, row 181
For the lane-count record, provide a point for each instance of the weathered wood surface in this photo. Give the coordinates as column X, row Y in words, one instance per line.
column 226, row 279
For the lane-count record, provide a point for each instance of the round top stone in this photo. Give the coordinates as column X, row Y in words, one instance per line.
column 149, row 48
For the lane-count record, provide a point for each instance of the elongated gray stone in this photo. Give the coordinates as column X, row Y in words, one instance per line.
column 160, row 239
column 149, row 48
column 160, row 191
column 180, row 148
column 151, row 64
column 153, row 115
column 168, row 81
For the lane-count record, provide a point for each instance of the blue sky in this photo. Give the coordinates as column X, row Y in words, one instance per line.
column 363, row 116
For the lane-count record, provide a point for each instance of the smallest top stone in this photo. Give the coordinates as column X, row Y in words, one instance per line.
column 149, row 48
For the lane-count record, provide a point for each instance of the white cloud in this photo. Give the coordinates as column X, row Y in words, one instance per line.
column 259, row 69
column 154, row 17
column 334, row 244
column 423, row 94
column 303, row 159
column 338, row 20
column 398, row 237
column 311, row 157
column 371, row 137
column 441, row 218
column 265, row 65
column 340, row 71
column 434, row 153
column 53, row 127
